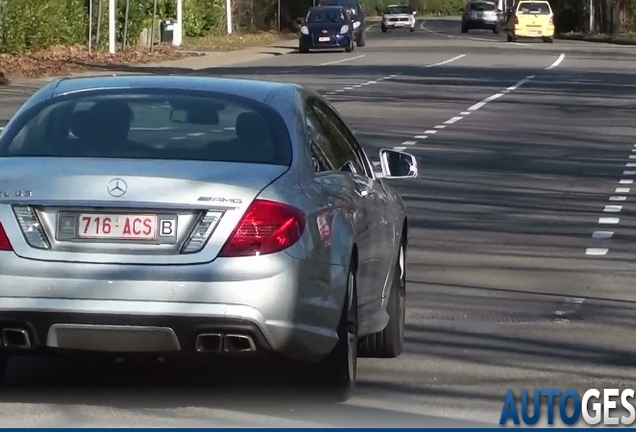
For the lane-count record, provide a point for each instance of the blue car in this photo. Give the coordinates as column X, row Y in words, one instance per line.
column 327, row 27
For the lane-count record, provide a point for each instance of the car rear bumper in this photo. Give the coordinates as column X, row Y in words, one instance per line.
column 280, row 303
column 534, row 33
column 399, row 24
column 480, row 22
column 334, row 42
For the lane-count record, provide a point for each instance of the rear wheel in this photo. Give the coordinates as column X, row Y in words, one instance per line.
column 464, row 29
column 548, row 40
column 337, row 373
column 389, row 343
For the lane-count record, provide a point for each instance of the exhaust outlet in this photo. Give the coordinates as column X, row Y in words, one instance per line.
column 209, row 342
column 238, row 343
column 15, row 338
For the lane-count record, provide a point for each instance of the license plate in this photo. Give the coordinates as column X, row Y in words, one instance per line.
column 324, row 39
column 116, row 227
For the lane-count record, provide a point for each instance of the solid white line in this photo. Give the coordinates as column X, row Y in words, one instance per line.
column 608, row 220
column 626, row 181
column 621, row 190
column 477, row 106
column 602, row 234
column 453, row 120
column 446, row 61
column 618, row 198
column 556, row 62
column 341, row 61
column 409, row 143
column 612, row 208
column 596, row 251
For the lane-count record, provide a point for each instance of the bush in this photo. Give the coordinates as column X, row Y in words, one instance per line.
column 38, row 24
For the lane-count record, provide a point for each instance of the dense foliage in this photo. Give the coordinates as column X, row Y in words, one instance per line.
column 34, row 24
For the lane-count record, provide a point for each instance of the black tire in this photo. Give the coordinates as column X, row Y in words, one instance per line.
column 362, row 40
column 464, row 29
column 412, row 29
column 4, row 361
column 384, row 29
column 337, row 373
column 389, row 343
column 510, row 38
column 350, row 47
column 548, row 40
column 303, row 49
column 495, row 29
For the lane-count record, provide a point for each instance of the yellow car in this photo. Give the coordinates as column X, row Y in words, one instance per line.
column 531, row 19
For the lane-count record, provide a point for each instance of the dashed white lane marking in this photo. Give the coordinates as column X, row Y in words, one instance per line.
column 409, row 143
column 608, row 221
column 621, row 190
column 399, row 148
column 451, row 121
column 556, row 62
column 628, row 173
column 341, row 60
column 626, row 181
column 596, row 251
column 377, row 80
column 618, row 198
column 602, row 234
column 474, row 107
column 612, row 208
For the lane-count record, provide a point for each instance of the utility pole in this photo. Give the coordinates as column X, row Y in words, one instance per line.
column 591, row 16
column 228, row 14
column 111, row 26
column 177, row 36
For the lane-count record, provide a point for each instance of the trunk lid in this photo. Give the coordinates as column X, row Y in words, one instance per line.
column 123, row 210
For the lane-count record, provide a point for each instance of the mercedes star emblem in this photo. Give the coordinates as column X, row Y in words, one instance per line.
column 117, row 187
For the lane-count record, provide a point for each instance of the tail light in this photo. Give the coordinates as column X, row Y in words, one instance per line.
column 267, row 227
column 516, row 21
column 551, row 20
column 5, row 244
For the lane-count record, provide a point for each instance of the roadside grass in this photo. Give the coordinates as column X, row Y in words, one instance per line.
column 235, row 41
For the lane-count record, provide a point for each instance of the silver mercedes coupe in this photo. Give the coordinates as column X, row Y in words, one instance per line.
column 192, row 217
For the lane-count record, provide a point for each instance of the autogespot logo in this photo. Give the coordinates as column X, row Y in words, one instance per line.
column 595, row 406
column 117, row 187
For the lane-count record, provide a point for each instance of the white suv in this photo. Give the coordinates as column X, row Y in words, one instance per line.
column 397, row 16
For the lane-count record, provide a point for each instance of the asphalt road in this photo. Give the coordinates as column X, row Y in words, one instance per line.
column 524, row 151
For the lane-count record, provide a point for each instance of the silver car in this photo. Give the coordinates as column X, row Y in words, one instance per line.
column 481, row 15
column 397, row 16
column 185, row 217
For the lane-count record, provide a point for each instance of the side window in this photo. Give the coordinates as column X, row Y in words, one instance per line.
column 317, row 141
column 345, row 139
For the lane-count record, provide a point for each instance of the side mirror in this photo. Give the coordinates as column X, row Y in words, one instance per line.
column 396, row 164
column 414, row 13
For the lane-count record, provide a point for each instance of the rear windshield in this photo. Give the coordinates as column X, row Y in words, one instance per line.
column 534, row 8
column 328, row 15
column 482, row 7
column 152, row 126
column 352, row 5
column 396, row 10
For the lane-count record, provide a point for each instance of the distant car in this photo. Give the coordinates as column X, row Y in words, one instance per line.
column 481, row 15
column 396, row 16
column 189, row 217
column 531, row 19
column 326, row 27
column 357, row 17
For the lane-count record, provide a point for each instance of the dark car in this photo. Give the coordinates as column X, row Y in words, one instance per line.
column 482, row 15
column 326, row 27
column 357, row 16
